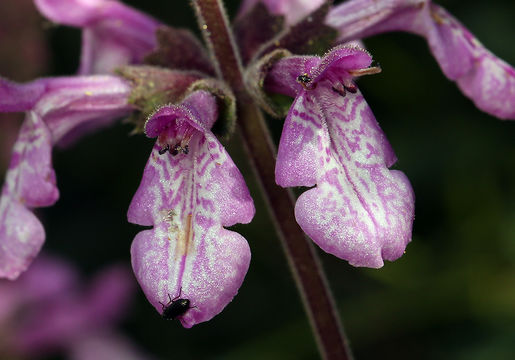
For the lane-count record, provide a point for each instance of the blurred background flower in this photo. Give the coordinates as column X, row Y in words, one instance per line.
column 49, row 310
column 452, row 296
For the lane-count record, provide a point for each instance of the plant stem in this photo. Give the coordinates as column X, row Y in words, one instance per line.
column 300, row 252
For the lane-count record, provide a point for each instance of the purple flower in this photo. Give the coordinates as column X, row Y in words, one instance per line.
column 113, row 34
column 487, row 80
column 359, row 210
column 190, row 191
column 46, row 310
column 58, row 110
column 292, row 10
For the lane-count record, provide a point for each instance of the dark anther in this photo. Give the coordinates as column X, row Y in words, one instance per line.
column 352, row 88
column 186, row 149
column 176, row 149
column 165, row 149
column 339, row 89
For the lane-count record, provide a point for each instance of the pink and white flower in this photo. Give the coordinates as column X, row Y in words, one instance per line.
column 190, row 191
column 359, row 210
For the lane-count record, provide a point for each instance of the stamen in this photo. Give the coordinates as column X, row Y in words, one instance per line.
column 368, row 71
column 184, row 133
column 350, row 87
column 179, row 148
column 339, row 88
column 165, row 149
column 175, row 150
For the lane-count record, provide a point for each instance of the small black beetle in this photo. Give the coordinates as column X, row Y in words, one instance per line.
column 175, row 307
column 304, row 78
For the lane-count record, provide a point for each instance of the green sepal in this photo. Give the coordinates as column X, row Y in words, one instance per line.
column 153, row 87
column 274, row 104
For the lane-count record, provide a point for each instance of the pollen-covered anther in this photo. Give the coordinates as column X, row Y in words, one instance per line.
column 181, row 147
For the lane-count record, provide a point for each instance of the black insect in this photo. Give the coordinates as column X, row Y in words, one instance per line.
column 176, row 307
column 304, row 79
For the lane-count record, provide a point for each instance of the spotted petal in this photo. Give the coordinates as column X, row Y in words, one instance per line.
column 487, row 80
column 114, row 34
column 359, row 210
column 189, row 197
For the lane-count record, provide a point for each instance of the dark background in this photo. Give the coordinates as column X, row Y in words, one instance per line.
column 451, row 296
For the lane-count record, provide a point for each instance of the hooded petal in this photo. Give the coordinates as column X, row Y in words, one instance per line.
column 487, row 80
column 114, row 34
column 293, row 10
column 359, row 210
column 189, row 196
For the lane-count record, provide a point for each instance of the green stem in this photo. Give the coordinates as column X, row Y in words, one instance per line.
column 300, row 252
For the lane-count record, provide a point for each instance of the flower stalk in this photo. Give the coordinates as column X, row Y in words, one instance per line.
column 302, row 258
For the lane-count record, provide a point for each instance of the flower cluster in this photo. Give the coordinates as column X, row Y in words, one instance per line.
column 356, row 208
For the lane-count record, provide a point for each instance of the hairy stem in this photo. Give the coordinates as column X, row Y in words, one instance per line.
column 302, row 258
